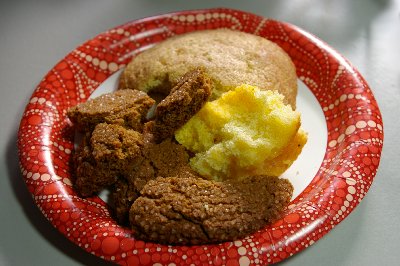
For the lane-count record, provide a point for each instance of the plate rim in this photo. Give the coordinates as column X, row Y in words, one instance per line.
column 23, row 149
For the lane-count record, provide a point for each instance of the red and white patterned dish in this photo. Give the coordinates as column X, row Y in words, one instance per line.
column 353, row 121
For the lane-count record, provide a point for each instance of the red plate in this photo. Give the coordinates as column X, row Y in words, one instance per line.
column 353, row 120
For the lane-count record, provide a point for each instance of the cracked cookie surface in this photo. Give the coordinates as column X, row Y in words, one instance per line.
column 190, row 210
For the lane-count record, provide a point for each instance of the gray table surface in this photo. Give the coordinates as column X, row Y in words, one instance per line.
column 34, row 35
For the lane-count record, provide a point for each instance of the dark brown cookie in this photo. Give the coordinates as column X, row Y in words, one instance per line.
column 90, row 177
column 124, row 107
column 185, row 99
column 188, row 210
column 110, row 151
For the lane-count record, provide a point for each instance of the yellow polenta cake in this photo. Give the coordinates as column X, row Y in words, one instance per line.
column 246, row 131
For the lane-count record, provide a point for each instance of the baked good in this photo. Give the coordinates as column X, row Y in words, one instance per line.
column 116, row 147
column 230, row 58
column 128, row 108
column 185, row 99
column 190, row 210
column 241, row 133
column 104, row 154
column 122, row 195
column 159, row 160
column 89, row 177
column 153, row 188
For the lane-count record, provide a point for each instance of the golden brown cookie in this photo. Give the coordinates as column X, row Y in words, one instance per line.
column 231, row 58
